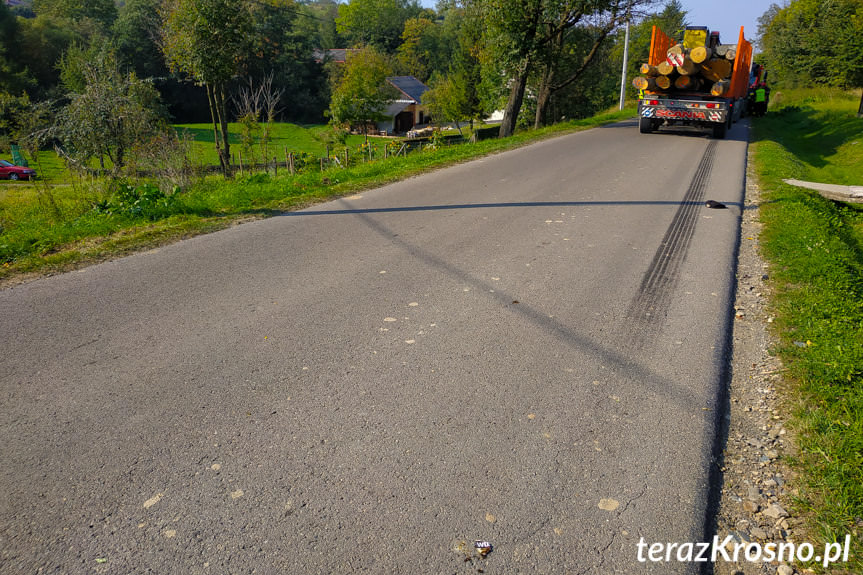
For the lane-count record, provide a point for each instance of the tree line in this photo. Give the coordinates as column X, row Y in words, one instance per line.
column 99, row 77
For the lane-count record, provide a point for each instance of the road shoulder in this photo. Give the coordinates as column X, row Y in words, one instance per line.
column 757, row 486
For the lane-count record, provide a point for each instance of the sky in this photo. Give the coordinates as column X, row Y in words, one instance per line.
column 726, row 16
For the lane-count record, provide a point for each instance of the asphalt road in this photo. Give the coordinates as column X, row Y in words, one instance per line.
column 526, row 349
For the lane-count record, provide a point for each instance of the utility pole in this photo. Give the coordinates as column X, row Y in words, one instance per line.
column 625, row 64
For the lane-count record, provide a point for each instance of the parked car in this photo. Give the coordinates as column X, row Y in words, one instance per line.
column 9, row 171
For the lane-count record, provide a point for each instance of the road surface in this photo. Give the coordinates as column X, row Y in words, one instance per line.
column 527, row 349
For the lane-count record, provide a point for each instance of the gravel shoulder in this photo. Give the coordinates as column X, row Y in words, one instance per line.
column 757, row 486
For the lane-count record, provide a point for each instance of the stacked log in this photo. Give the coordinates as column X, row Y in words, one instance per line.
column 700, row 69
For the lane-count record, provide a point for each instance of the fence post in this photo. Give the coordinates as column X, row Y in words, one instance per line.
column 240, row 156
column 275, row 166
column 291, row 162
column 347, row 158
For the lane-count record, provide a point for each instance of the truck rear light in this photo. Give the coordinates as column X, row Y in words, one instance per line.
column 712, row 106
column 654, row 102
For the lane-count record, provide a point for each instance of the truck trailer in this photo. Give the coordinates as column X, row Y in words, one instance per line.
column 697, row 82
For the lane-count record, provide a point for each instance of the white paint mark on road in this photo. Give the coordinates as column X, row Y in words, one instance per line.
column 153, row 500
column 390, row 319
column 413, row 304
column 236, row 494
column 410, row 341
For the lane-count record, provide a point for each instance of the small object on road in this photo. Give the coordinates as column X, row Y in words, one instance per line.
column 482, row 547
column 714, row 205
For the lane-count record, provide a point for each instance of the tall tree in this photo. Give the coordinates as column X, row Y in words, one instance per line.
column 554, row 76
column 42, row 41
column 379, row 23
column 287, row 35
column 208, row 40
column 13, row 77
column 90, row 18
column 811, row 42
column 136, row 36
column 525, row 33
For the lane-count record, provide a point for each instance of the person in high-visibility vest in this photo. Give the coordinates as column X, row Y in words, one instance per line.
column 761, row 100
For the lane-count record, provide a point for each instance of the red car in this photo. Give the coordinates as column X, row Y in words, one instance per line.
column 9, row 171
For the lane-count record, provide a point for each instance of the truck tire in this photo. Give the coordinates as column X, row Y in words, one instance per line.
column 719, row 131
column 645, row 125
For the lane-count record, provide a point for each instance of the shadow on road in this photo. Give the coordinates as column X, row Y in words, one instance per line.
column 490, row 205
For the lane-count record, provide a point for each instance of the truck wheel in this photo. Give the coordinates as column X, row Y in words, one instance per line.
column 645, row 125
column 719, row 131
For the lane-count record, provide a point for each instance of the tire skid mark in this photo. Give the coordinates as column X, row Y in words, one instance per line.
column 657, row 286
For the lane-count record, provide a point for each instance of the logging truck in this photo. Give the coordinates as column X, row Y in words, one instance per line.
column 697, row 82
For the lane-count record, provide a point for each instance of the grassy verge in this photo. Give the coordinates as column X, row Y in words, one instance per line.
column 46, row 228
column 295, row 138
column 815, row 250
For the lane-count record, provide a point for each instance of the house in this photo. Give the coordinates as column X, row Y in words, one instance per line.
column 407, row 111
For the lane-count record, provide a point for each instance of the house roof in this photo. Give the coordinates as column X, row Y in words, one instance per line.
column 409, row 86
column 338, row 55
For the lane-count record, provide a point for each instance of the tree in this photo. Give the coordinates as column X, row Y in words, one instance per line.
column 582, row 49
column 814, row 42
column 136, row 36
column 446, row 100
column 379, row 23
column 522, row 34
column 362, row 93
column 417, row 48
column 13, row 78
column 102, row 11
column 208, row 40
column 286, row 38
column 90, row 18
column 41, row 43
column 110, row 113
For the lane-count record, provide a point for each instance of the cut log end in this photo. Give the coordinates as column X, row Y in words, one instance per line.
column 663, row 82
column 699, row 54
column 719, row 88
column 664, row 68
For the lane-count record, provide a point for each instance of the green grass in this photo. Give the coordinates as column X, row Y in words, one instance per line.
column 815, row 250
column 47, row 227
column 311, row 139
